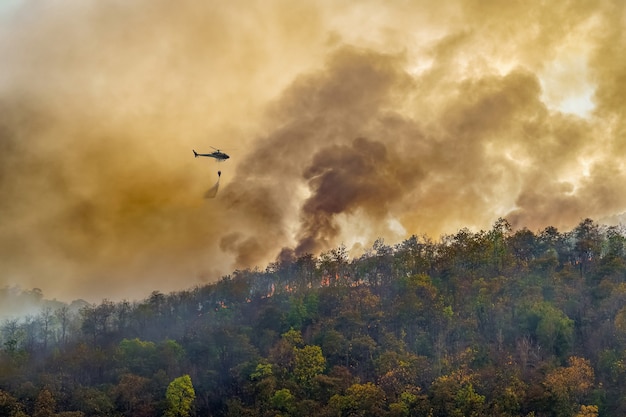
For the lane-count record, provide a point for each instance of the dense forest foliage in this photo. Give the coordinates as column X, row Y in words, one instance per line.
column 493, row 323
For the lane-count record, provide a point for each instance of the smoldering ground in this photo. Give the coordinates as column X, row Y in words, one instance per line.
column 382, row 120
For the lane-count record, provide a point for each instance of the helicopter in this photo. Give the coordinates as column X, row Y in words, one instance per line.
column 218, row 155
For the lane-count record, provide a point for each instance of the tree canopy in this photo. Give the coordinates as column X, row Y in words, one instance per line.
column 497, row 323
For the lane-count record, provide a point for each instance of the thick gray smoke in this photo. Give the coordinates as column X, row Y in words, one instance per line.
column 356, row 122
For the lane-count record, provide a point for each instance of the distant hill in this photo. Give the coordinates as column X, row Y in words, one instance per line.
column 493, row 323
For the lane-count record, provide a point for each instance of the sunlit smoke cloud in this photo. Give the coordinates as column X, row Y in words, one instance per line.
column 358, row 122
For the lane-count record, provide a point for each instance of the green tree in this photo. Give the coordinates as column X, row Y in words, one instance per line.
column 363, row 400
column 469, row 403
column 497, row 238
column 282, row 354
column 454, row 395
column 523, row 246
column 262, row 385
column 309, row 362
column 293, row 337
column 180, row 397
column 550, row 326
column 138, row 355
column 588, row 244
column 169, row 354
column 283, row 400
column 613, row 261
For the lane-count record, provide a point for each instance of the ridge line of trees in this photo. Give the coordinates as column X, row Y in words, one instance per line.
column 494, row 323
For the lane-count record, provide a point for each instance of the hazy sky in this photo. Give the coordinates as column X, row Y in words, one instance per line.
column 345, row 121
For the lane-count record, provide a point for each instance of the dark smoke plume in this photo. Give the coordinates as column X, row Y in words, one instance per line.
column 356, row 122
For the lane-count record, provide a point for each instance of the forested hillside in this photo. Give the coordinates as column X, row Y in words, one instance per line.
column 494, row 323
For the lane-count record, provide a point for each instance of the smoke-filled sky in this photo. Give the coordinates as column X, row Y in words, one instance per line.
column 345, row 121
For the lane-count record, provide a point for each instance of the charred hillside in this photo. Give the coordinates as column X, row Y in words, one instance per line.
column 497, row 322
